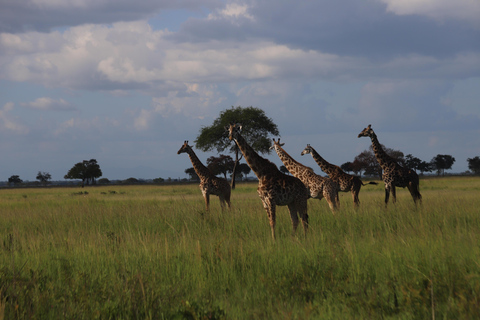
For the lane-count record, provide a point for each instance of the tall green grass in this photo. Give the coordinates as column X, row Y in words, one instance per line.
column 152, row 252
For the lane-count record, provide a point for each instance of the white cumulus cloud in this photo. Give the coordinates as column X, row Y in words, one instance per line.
column 468, row 10
column 46, row 103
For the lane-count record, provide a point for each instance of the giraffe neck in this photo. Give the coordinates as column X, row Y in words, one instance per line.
column 200, row 169
column 291, row 164
column 326, row 166
column 259, row 165
column 382, row 157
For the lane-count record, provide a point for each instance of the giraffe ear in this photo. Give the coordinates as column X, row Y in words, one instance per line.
column 369, row 126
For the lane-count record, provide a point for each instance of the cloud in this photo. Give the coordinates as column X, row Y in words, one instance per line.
column 132, row 56
column 440, row 10
column 344, row 27
column 46, row 103
column 413, row 105
column 44, row 15
column 9, row 123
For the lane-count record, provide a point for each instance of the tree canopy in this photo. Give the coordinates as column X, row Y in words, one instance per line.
column 256, row 127
column 474, row 164
column 15, row 179
column 87, row 171
column 43, row 177
column 222, row 164
column 367, row 161
column 442, row 162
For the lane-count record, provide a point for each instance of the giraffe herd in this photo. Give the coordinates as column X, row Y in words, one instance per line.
column 278, row 189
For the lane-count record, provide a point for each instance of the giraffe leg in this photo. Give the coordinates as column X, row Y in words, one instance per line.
column 413, row 188
column 272, row 218
column 206, row 195
column 387, row 194
column 222, row 202
column 302, row 211
column 227, row 199
column 356, row 200
column 269, row 206
column 292, row 208
column 394, row 194
column 331, row 198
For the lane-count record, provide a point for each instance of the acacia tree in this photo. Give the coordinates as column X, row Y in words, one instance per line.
column 222, row 164
column 474, row 164
column 367, row 161
column 347, row 166
column 43, row 177
column 15, row 179
column 256, row 127
column 243, row 169
column 87, row 171
column 442, row 162
column 192, row 173
column 412, row 162
column 424, row 166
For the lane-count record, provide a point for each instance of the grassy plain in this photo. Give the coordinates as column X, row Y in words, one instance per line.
column 152, row 252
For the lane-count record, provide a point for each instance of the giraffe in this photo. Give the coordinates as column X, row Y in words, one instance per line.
column 209, row 183
column 274, row 187
column 318, row 186
column 346, row 182
column 394, row 175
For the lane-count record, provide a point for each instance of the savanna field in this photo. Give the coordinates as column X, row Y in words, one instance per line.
column 152, row 252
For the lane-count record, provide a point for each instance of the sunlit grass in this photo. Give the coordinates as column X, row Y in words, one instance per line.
column 153, row 252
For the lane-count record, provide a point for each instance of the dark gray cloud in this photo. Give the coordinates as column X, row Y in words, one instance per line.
column 25, row 15
column 345, row 27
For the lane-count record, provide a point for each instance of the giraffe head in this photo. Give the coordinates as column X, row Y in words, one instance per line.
column 185, row 148
column 277, row 143
column 234, row 130
column 367, row 132
column 307, row 150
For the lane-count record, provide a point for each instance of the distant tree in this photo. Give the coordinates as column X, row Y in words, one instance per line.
column 93, row 171
column 367, row 161
column 103, row 181
column 14, row 180
column 158, row 180
column 192, row 173
column 131, row 180
column 412, row 162
column 347, row 167
column 474, row 164
column 284, row 170
column 425, row 167
column 87, row 171
column 243, row 169
column 256, row 127
column 442, row 162
column 43, row 177
column 220, row 165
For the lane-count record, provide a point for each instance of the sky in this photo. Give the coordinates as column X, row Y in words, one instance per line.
column 126, row 82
